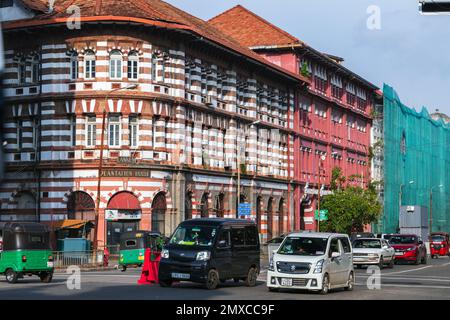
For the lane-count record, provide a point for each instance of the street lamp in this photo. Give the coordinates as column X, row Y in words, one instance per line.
column 100, row 167
column 239, row 165
column 431, row 206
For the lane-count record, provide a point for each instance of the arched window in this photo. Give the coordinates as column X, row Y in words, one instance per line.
column 80, row 206
column 219, row 206
column 159, row 206
column 270, row 219
column 89, row 65
column 35, row 69
column 73, row 56
column 188, row 206
column 21, row 71
column 115, row 65
column 133, row 66
column 204, row 210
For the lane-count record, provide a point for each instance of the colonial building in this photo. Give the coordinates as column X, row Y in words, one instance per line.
column 332, row 119
column 190, row 116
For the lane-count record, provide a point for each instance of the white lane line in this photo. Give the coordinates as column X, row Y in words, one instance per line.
column 406, row 271
column 406, row 286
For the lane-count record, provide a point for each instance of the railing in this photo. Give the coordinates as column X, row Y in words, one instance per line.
column 82, row 259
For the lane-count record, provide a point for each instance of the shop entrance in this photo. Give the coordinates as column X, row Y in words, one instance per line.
column 116, row 228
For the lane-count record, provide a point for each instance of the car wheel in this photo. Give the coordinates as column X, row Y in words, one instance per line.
column 123, row 268
column 213, row 280
column 325, row 285
column 46, row 277
column 165, row 283
column 11, row 276
column 391, row 263
column 424, row 259
column 252, row 275
column 381, row 263
column 351, row 282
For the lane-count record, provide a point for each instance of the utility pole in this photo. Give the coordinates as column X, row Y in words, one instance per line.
column 322, row 158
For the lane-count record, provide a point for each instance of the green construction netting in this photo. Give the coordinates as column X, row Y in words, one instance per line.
column 417, row 156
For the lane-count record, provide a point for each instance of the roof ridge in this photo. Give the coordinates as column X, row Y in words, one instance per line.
column 287, row 34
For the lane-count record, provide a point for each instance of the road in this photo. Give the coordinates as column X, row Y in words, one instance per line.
column 431, row 281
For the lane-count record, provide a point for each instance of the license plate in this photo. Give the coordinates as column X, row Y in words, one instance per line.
column 286, row 282
column 399, row 253
column 49, row 264
column 141, row 258
column 181, row 276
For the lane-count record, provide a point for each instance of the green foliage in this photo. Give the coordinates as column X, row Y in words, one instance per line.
column 337, row 179
column 350, row 210
column 304, row 70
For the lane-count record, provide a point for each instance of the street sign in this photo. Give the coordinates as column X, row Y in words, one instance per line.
column 323, row 215
column 245, row 209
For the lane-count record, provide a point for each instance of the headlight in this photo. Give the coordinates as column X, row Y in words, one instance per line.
column 165, row 254
column 319, row 266
column 373, row 255
column 203, row 256
column 271, row 265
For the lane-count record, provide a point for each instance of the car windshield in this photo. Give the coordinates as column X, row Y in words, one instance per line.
column 402, row 239
column 369, row 244
column 438, row 238
column 303, row 246
column 202, row 236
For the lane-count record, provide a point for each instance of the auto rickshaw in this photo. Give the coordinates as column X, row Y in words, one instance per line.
column 133, row 245
column 25, row 250
column 439, row 244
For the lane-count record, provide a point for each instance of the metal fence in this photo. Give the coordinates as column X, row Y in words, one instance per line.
column 83, row 259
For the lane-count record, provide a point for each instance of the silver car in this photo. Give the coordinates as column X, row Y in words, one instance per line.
column 371, row 251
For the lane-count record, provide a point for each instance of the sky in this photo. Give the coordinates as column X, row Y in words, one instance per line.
column 409, row 51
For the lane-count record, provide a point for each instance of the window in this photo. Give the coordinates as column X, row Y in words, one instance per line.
column 91, row 131
column 133, row 66
column 19, row 134
column 73, row 130
column 346, row 245
column 133, row 123
column 35, row 69
column 251, row 236
column 22, row 71
column 74, row 66
column 89, row 65
column 154, row 67
column 334, row 247
column 224, row 239
column 238, row 237
column 35, row 133
column 115, row 65
column 114, row 131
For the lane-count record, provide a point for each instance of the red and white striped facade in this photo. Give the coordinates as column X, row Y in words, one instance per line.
column 178, row 134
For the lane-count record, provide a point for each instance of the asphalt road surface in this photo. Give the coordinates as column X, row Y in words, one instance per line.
column 431, row 281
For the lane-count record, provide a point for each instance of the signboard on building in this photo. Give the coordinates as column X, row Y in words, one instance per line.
column 112, row 173
column 245, row 210
column 113, row 215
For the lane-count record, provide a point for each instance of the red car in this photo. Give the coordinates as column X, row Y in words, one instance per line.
column 439, row 244
column 408, row 248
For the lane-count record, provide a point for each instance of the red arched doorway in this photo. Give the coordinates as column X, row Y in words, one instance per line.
column 281, row 217
column 159, row 207
column 204, row 208
column 80, row 206
column 123, row 214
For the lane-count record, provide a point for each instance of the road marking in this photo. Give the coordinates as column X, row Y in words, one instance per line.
column 406, row 271
column 406, row 286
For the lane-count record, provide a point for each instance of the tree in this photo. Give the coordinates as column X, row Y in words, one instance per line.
column 337, row 179
column 350, row 209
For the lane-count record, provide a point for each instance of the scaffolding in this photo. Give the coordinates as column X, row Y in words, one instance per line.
column 417, row 163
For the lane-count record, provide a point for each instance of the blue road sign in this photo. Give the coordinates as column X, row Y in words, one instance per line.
column 245, row 209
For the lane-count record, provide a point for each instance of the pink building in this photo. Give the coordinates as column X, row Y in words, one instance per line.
column 333, row 118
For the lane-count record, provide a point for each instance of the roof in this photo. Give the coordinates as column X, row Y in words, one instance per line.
column 250, row 29
column 149, row 12
column 315, row 234
column 71, row 224
column 25, row 227
column 259, row 34
column 36, row 5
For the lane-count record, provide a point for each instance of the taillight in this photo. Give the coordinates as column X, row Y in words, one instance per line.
column 50, row 258
column 24, row 258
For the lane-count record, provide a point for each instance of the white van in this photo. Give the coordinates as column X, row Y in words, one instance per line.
column 312, row 261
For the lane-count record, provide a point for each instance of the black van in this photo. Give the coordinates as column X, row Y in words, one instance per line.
column 210, row 251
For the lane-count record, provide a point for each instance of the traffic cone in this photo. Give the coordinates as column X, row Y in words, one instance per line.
column 145, row 269
column 154, row 267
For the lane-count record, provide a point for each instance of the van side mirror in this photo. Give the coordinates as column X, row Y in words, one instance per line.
column 222, row 244
column 335, row 255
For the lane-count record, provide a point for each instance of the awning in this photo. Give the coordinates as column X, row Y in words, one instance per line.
column 71, row 224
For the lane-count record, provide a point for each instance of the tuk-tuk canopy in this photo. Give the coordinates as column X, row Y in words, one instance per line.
column 25, row 235
column 138, row 239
